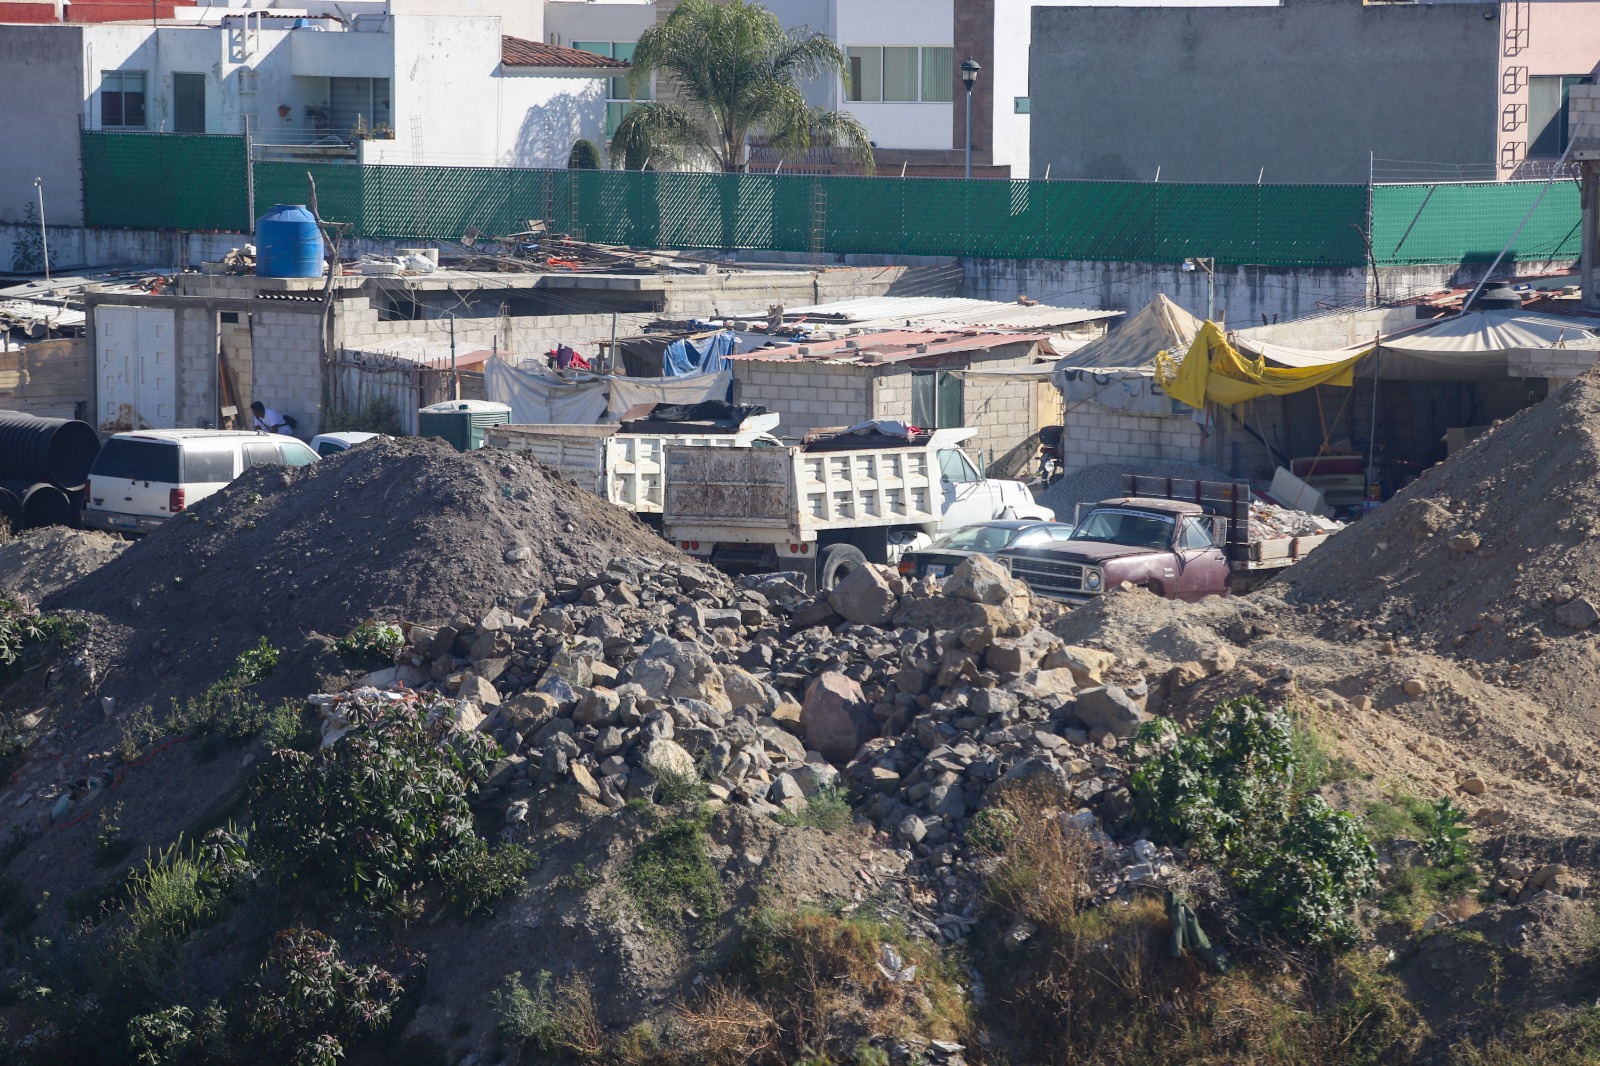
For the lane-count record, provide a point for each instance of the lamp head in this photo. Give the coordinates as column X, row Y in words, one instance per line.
column 969, row 72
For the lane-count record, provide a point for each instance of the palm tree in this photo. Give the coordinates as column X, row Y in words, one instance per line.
column 738, row 73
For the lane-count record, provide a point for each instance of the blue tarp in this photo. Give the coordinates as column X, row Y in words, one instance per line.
column 708, row 355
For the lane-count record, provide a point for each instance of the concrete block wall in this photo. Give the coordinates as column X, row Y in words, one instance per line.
column 360, row 326
column 808, row 395
column 1007, row 420
column 287, row 365
column 1554, row 363
column 1093, row 435
column 195, row 353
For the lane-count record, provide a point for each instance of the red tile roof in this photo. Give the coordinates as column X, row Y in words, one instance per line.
column 517, row 52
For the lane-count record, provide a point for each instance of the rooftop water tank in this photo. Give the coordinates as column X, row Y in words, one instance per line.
column 461, row 422
column 288, row 243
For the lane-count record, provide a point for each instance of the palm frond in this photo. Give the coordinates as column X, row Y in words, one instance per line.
column 659, row 131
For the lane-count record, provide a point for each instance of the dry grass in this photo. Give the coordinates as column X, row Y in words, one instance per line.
column 725, row 1028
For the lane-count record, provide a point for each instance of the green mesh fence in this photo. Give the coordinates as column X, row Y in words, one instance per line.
column 164, row 181
column 1470, row 223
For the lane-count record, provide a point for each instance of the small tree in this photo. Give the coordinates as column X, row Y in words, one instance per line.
column 584, row 156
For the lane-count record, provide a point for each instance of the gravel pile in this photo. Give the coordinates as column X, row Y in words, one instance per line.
column 1095, row 483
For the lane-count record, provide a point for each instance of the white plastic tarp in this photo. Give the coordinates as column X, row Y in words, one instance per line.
column 538, row 397
column 1159, row 326
column 1475, row 346
column 693, row 388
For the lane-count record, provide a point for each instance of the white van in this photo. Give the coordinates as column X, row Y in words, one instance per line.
column 141, row 479
column 326, row 444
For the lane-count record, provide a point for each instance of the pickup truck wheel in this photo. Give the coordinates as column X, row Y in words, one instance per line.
column 835, row 564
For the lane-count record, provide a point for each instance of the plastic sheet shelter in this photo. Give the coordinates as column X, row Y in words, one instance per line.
column 1215, row 371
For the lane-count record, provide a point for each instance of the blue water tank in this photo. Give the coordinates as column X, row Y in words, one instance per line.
column 288, row 243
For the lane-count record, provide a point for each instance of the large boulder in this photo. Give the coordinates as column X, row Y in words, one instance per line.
column 864, row 596
column 979, row 579
column 1111, row 708
column 836, row 717
column 669, row 757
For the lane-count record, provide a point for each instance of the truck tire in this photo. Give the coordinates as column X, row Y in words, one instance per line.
column 835, row 562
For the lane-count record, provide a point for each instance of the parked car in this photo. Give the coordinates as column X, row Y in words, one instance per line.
column 141, row 479
column 326, row 444
column 986, row 538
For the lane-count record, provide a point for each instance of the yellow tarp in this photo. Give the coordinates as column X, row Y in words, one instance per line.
column 1214, row 370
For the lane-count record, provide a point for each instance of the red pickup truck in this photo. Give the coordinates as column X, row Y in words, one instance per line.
column 1181, row 539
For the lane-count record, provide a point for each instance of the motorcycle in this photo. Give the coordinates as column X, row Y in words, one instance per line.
column 1051, row 464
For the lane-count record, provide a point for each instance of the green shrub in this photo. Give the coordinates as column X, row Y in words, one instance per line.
column 992, row 829
column 162, row 1037
column 182, row 889
column 111, row 846
column 371, row 642
column 253, row 664
column 479, row 879
column 550, row 1020
column 584, row 156
column 382, row 811
column 19, row 627
column 286, row 728
column 675, row 788
column 377, row 415
column 828, row 810
column 308, row 1001
column 1234, row 791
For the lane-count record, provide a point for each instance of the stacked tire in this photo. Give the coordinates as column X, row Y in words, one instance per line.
column 44, row 466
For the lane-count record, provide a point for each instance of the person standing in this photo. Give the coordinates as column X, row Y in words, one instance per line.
column 269, row 421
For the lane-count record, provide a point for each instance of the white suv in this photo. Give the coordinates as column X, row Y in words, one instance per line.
column 141, row 479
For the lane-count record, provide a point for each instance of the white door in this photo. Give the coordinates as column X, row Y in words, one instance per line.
column 968, row 498
column 135, row 369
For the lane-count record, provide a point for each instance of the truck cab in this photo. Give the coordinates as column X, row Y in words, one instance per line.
column 1172, row 547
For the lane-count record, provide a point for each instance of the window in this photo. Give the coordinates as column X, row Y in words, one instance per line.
column 936, row 400
column 189, row 103
column 208, row 466
column 866, row 74
column 1547, row 114
column 122, row 99
column 358, row 101
column 619, row 101
column 1195, row 535
column 296, row 454
column 136, row 460
column 901, row 74
column 954, row 468
column 262, row 454
column 938, row 75
column 1022, row 105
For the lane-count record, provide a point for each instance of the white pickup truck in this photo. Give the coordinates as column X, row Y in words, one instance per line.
column 623, row 464
column 832, row 503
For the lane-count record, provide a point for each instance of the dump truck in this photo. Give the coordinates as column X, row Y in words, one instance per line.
column 623, row 463
column 826, row 506
column 1179, row 538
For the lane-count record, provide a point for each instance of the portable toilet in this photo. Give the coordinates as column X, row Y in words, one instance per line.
column 461, row 422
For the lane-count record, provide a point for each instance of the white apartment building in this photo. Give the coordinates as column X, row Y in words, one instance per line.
column 375, row 80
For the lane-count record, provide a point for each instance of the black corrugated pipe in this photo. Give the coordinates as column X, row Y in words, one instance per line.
column 11, row 510
column 57, row 450
column 42, row 504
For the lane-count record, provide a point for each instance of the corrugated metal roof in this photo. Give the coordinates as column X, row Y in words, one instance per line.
column 891, row 347
column 886, row 311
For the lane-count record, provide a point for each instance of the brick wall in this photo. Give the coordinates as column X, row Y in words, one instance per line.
column 195, row 352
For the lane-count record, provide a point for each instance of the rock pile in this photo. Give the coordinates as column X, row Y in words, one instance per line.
column 644, row 676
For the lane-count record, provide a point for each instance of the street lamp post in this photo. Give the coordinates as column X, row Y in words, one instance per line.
column 1209, row 265
column 969, row 76
column 44, row 239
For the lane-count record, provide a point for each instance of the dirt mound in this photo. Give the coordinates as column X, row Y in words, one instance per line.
column 43, row 560
column 403, row 529
column 1491, row 559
